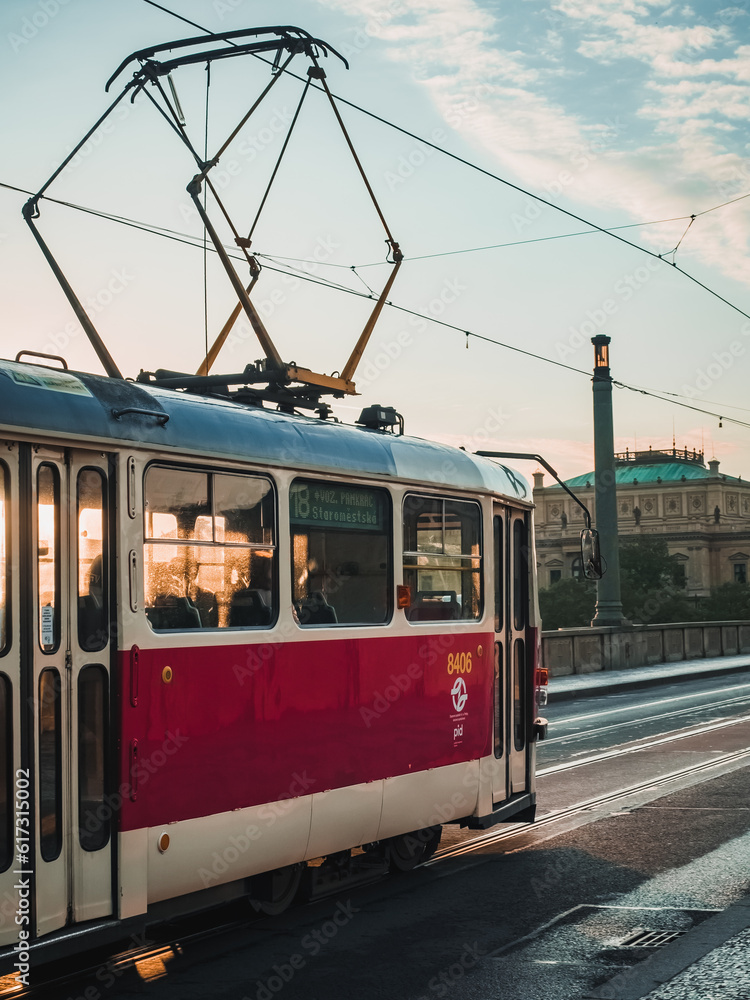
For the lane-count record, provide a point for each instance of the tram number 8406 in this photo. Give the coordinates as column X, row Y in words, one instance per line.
column 459, row 663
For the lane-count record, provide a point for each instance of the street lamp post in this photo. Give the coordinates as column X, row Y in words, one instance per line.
column 608, row 602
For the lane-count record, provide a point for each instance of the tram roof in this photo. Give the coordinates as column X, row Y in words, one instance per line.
column 80, row 406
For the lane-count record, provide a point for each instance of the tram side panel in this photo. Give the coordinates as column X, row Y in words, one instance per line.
column 246, row 750
column 265, row 753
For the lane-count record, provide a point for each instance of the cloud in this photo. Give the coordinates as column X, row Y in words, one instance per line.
column 675, row 149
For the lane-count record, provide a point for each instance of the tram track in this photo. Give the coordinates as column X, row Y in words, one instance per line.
column 679, row 713
column 588, row 805
column 150, row 962
column 640, row 745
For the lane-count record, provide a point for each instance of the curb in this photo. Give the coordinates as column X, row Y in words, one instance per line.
column 587, row 689
column 662, row 967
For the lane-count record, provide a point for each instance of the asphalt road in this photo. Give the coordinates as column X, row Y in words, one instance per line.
column 588, row 725
column 546, row 913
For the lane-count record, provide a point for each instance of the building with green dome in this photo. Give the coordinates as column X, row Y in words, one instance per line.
column 703, row 514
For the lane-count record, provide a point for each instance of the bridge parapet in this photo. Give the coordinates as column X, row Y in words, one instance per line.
column 587, row 650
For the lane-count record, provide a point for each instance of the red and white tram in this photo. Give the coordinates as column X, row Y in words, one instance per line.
column 233, row 640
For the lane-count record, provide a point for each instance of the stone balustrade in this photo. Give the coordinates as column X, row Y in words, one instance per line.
column 586, row 650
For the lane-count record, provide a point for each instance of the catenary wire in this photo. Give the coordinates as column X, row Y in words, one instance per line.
column 493, row 176
column 661, row 395
column 495, row 246
column 667, row 397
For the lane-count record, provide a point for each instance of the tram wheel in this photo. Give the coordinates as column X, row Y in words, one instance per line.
column 408, row 850
column 433, row 841
column 273, row 892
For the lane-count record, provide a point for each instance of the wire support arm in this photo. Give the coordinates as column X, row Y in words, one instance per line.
column 278, row 161
column 289, row 37
column 194, row 190
column 83, row 141
column 215, row 159
column 359, row 348
column 30, row 212
column 318, row 73
column 538, row 458
column 217, row 345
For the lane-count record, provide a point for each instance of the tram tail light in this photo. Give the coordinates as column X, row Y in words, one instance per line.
column 541, row 680
column 403, row 596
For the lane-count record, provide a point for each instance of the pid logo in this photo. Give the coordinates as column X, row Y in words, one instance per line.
column 459, row 693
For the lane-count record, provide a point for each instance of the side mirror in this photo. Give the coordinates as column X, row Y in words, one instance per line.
column 591, row 556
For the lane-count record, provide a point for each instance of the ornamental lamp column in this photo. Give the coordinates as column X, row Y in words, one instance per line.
column 608, row 602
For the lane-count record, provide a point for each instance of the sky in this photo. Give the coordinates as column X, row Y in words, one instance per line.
column 624, row 114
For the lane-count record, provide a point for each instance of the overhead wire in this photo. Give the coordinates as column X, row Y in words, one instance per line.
column 697, row 409
column 494, row 176
column 593, row 227
column 732, row 201
column 661, row 394
column 500, row 246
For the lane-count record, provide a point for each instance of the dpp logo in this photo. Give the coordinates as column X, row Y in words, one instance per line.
column 459, row 693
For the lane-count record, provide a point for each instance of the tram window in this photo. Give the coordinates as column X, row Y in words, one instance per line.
column 176, row 502
column 48, row 556
column 520, row 573
column 50, row 774
column 499, row 532
column 5, row 610
column 498, row 699
column 442, row 558
column 6, row 773
column 93, row 700
column 92, row 575
column 519, row 694
column 210, row 550
column 341, row 553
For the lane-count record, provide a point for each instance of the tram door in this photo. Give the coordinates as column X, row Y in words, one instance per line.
column 61, row 717
column 510, row 543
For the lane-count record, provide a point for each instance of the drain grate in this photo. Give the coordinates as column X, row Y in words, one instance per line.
column 645, row 938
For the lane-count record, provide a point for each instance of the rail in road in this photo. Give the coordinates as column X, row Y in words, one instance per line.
column 650, row 759
column 613, row 780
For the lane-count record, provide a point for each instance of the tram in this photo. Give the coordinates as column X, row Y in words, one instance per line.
column 233, row 640
column 245, row 650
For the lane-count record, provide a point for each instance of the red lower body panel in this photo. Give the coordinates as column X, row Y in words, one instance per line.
column 241, row 725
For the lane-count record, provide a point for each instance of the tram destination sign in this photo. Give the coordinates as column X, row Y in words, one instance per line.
column 331, row 505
